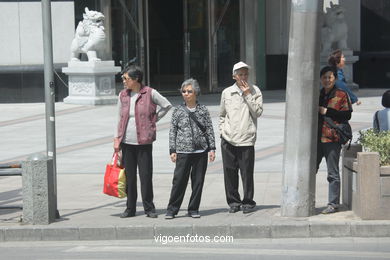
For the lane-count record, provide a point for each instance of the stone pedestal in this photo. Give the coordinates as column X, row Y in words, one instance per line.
column 365, row 184
column 371, row 200
column 348, row 69
column 39, row 198
column 91, row 83
column 348, row 182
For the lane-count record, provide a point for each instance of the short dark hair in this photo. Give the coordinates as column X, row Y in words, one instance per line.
column 328, row 68
column 134, row 72
column 386, row 99
column 335, row 58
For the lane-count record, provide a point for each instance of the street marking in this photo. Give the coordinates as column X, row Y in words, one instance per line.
column 231, row 251
column 42, row 116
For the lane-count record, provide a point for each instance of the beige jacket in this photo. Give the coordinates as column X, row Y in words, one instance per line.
column 238, row 115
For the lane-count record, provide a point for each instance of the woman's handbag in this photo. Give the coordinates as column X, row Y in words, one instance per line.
column 115, row 179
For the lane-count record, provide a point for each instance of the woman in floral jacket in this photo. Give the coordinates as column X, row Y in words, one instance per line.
column 335, row 104
column 191, row 138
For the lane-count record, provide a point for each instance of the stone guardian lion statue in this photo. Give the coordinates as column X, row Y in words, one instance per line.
column 89, row 36
column 334, row 29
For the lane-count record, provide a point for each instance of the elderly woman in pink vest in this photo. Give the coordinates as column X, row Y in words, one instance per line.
column 134, row 135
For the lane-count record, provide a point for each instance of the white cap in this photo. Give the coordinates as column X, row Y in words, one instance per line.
column 240, row 65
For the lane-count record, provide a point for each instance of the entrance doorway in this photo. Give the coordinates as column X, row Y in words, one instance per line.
column 174, row 40
column 178, row 43
column 166, row 56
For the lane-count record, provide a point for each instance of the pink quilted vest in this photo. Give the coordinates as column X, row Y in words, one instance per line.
column 145, row 115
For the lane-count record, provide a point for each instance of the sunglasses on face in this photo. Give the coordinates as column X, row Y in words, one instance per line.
column 188, row 91
column 125, row 78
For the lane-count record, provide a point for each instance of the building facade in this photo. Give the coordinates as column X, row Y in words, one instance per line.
column 176, row 39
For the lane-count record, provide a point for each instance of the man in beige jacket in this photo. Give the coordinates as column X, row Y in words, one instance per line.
column 241, row 105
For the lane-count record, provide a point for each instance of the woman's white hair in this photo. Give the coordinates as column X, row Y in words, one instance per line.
column 194, row 83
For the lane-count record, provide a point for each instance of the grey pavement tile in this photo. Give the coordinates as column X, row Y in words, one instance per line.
column 211, row 230
column 135, row 232
column 330, row 229
column 290, row 228
column 28, row 233
column 251, row 231
column 60, row 234
column 97, row 233
column 370, row 228
column 177, row 230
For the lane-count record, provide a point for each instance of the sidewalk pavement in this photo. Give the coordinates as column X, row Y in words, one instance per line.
column 84, row 146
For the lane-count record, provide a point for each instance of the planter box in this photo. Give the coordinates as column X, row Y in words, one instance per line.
column 366, row 185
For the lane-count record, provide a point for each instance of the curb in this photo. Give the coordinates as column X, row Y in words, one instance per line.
column 277, row 229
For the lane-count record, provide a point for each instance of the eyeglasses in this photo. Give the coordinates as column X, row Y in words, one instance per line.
column 188, row 91
column 124, row 78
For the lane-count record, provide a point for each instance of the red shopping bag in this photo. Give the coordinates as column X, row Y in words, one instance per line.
column 115, row 179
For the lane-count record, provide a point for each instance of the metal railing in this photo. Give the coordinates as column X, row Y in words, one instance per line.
column 11, row 169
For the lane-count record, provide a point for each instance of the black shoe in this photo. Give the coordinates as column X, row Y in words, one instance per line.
column 194, row 214
column 248, row 209
column 127, row 214
column 151, row 214
column 169, row 215
column 234, row 209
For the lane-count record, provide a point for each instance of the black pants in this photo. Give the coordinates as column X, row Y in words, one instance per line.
column 194, row 164
column 141, row 156
column 238, row 158
column 331, row 152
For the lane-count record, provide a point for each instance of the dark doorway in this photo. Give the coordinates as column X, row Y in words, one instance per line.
column 373, row 67
column 165, row 20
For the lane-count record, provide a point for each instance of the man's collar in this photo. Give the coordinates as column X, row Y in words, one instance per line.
column 236, row 88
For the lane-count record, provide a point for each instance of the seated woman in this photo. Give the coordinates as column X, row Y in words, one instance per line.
column 382, row 117
column 191, row 137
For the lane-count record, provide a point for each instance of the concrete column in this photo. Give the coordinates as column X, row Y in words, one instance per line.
column 39, row 199
column 299, row 162
column 105, row 6
column 248, row 35
column 261, row 45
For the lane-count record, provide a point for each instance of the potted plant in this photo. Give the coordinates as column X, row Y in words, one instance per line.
column 373, row 141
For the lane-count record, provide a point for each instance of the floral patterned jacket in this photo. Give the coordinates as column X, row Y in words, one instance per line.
column 185, row 136
column 339, row 109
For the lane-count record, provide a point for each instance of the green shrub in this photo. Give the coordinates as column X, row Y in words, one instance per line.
column 373, row 141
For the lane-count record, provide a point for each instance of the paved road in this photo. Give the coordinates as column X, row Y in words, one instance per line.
column 294, row 249
column 84, row 146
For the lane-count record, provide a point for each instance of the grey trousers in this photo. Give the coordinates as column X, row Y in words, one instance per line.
column 331, row 152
